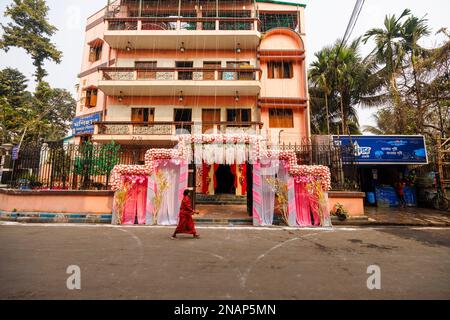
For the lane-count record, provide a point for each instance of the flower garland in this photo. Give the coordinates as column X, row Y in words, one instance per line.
column 124, row 170
column 301, row 173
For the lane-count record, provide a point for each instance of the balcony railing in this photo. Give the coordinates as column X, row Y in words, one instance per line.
column 164, row 128
column 183, row 23
column 168, row 74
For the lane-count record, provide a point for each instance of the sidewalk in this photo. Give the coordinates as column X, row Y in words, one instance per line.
column 237, row 215
column 407, row 217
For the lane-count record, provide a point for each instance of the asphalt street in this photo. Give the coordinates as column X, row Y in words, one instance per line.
column 119, row 262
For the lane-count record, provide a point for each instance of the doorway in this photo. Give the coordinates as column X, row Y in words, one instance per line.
column 225, row 180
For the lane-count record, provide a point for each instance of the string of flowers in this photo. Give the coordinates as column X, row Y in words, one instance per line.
column 301, row 173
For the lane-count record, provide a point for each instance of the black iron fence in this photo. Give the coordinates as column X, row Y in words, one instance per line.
column 88, row 166
column 68, row 166
column 340, row 159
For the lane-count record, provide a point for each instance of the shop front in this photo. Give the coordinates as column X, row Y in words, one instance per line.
column 385, row 165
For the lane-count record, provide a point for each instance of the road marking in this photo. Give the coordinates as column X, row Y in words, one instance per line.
column 244, row 276
column 141, row 249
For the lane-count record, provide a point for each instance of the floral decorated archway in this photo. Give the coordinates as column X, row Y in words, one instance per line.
column 151, row 194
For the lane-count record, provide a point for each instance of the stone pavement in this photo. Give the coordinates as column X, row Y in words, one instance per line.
column 407, row 216
column 237, row 215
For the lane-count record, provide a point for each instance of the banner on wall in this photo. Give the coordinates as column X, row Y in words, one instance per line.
column 385, row 149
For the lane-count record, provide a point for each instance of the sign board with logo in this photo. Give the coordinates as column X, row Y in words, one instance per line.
column 385, row 149
column 85, row 124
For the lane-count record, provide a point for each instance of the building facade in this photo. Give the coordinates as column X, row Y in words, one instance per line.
column 155, row 68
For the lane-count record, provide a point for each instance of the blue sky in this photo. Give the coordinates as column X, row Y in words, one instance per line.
column 326, row 21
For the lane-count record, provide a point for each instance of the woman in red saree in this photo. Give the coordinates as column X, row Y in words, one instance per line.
column 186, row 223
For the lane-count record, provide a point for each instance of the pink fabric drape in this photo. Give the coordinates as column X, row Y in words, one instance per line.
column 314, row 204
column 302, row 202
column 136, row 204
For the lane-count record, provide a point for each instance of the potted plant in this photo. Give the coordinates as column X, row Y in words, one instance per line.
column 340, row 212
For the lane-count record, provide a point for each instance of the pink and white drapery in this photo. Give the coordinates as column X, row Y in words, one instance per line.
column 285, row 178
column 166, row 187
column 263, row 192
column 133, row 207
column 312, row 205
column 307, row 203
column 303, row 205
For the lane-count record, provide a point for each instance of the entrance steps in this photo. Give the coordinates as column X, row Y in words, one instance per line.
column 221, row 199
column 224, row 222
column 214, row 214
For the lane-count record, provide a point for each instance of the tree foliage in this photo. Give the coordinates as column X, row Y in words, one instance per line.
column 339, row 78
column 46, row 114
column 30, row 30
column 409, row 84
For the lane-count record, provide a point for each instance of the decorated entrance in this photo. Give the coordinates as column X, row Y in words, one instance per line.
column 281, row 189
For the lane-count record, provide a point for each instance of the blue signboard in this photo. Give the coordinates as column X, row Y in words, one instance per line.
column 385, row 149
column 85, row 124
column 15, row 153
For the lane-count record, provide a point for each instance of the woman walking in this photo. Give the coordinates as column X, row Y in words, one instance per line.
column 186, row 223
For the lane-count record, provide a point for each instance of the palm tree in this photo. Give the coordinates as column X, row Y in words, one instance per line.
column 319, row 74
column 415, row 29
column 352, row 74
column 389, row 51
column 384, row 123
column 342, row 76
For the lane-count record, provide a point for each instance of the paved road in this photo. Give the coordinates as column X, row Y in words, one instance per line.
column 227, row 263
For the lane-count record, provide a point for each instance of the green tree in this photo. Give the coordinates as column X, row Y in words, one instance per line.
column 339, row 79
column 320, row 77
column 389, row 54
column 414, row 29
column 96, row 160
column 384, row 123
column 15, row 104
column 30, row 30
column 56, row 109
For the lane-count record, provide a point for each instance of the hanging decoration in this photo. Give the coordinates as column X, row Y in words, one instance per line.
column 299, row 190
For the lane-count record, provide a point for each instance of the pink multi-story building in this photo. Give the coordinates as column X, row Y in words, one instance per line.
column 151, row 69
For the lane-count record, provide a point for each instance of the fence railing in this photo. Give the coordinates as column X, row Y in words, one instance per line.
column 68, row 167
column 169, row 128
column 88, row 166
column 170, row 74
column 340, row 160
column 183, row 23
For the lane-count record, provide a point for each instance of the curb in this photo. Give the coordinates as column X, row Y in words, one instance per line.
column 47, row 217
column 89, row 218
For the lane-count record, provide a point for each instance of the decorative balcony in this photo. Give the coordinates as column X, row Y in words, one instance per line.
column 167, row 130
column 173, row 81
column 191, row 33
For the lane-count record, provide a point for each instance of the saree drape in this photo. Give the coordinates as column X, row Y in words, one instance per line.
column 284, row 177
column 165, row 192
column 302, row 205
column 134, row 208
column 263, row 192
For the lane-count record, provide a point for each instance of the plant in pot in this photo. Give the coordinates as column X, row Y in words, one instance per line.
column 340, row 212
